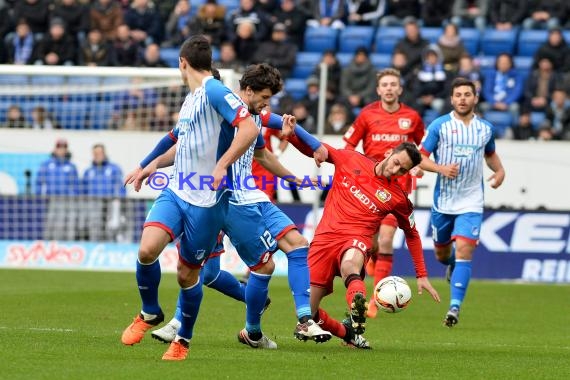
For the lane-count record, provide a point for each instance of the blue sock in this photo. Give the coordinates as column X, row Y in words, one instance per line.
column 178, row 313
column 299, row 282
column 222, row 281
column 148, row 279
column 189, row 299
column 459, row 282
column 255, row 296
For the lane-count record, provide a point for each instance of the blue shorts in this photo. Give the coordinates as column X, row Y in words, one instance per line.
column 198, row 226
column 254, row 230
column 448, row 227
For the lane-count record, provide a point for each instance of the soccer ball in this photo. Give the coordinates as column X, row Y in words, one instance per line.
column 392, row 294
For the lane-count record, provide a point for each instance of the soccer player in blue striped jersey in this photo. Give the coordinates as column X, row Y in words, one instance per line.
column 199, row 212
column 460, row 142
column 257, row 228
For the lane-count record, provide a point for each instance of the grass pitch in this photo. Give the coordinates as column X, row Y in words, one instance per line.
column 67, row 325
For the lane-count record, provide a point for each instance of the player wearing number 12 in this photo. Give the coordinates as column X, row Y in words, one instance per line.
column 382, row 126
column 364, row 191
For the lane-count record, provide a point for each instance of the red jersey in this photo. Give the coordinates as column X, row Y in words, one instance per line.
column 381, row 130
column 358, row 201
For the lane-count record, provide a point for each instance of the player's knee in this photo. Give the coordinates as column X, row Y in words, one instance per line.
column 267, row 268
column 210, row 275
column 148, row 254
column 187, row 276
column 293, row 239
column 385, row 245
column 442, row 253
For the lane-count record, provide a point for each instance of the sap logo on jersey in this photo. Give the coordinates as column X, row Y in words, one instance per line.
column 233, row 101
column 462, row 150
column 389, row 137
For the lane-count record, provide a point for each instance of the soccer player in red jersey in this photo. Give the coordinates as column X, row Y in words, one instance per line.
column 383, row 125
column 363, row 192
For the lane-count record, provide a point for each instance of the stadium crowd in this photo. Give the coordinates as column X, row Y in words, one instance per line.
column 525, row 103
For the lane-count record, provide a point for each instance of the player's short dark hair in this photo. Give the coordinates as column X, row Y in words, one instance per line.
column 261, row 76
column 458, row 82
column 216, row 74
column 412, row 151
column 198, row 52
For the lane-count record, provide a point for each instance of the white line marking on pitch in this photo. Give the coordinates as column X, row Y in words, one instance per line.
column 36, row 329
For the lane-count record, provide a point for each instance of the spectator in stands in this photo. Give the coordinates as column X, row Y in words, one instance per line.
column 210, row 22
column 412, row 45
column 245, row 43
column 365, row 12
column 268, row 6
column 41, row 119
column 545, row 14
column 407, row 76
column 20, row 45
column 399, row 11
column 36, row 13
column 540, row 85
column 294, row 19
column 176, row 27
column 165, row 8
column 145, row 23
column 556, row 49
column 15, row 118
column 338, row 120
column 96, row 51
column 468, row 70
column 277, row 52
column 333, row 67
column 311, row 99
column 304, row 118
column 133, row 109
column 228, row 58
column 56, row 47
column 75, row 15
column 325, row 13
column 433, row 81
column 125, row 47
column 524, row 129
column 107, row 16
column 451, row 47
column 358, row 79
column 102, row 184
column 503, row 87
column 504, row 14
column 57, row 179
column 558, row 115
column 436, row 12
column 161, row 118
column 152, row 58
column 470, row 13
column 249, row 13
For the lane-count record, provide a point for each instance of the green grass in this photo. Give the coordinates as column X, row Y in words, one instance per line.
column 67, row 325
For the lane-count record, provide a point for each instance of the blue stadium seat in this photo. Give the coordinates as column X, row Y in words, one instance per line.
column 566, row 34
column 13, row 79
column 381, row 61
column 320, row 39
column 431, row 33
column 100, row 114
column 386, row 38
column 429, row 116
column 344, row 58
column 71, row 115
column 305, row 64
column 530, row 40
column 215, row 54
column 353, row 37
column 170, row 56
column 470, row 38
column 297, row 88
column 523, row 65
column 231, row 5
column 495, row 41
column 502, row 120
column 47, row 80
column 78, row 81
column 536, row 119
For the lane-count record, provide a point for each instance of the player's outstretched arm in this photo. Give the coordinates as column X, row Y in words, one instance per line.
column 161, row 147
column 245, row 136
column 494, row 163
column 270, row 162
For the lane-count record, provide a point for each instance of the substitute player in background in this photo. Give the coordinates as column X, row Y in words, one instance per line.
column 382, row 126
column 363, row 192
column 460, row 141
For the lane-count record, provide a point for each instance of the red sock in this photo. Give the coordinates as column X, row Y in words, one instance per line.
column 355, row 286
column 332, row 325
column 383, row 267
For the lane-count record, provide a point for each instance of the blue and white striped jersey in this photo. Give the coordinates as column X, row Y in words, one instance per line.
column 451, row 141
column 201, row 140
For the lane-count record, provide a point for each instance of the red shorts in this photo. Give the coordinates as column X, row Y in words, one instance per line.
column 325, row 256
column 389, row 220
